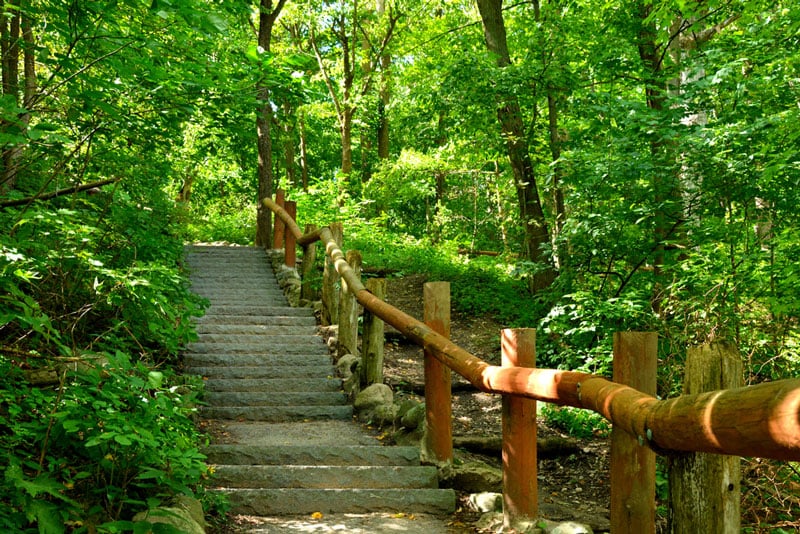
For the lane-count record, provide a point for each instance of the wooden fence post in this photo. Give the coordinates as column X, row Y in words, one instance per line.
column 633, row 465
column 307, row 267
column 279, row 227
column 372, row 340
column 330, row 278
column 520, row 492
column 348, row 311
column 290, row 252
column 704, row 489
column 437, row 446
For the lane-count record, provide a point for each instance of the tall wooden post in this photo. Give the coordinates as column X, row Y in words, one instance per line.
column 633, row 465
column 348, row 311
column 437, row 447
column 330, row 281
column 278, row 228
column 309, row 256
column 290, row 252
column 372, row 340
column 520, row 492
column 704, row 489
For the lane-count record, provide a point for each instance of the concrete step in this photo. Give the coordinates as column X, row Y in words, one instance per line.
column 260, row 310
column 290, row 501
column 257, row 372
column 249, row 330
column 320, row 477
column 316, row 383
column 299, row 321
column 322, row 455
column 268, row 345
column 215, row 359
column 243, row 339
column 274, row 398
column 277, row 413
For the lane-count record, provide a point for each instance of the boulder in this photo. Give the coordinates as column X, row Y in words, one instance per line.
column 476, row 477
column 373, row 396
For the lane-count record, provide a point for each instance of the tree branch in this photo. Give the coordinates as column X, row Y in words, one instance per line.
column 60, row 192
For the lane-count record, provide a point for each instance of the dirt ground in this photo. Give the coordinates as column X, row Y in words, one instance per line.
column 577, row 482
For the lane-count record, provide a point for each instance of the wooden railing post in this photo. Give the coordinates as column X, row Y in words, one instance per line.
column 348, row 311
column 633, row 465
column 309, row 256
column 279, row 227
column 290, row 252
column 437, row 446
column 704, row 489
column 520, row 492
column 372, row 341
column 330, row 278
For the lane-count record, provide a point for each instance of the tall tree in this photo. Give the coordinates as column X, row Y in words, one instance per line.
column 509, row 114
column 268, row 13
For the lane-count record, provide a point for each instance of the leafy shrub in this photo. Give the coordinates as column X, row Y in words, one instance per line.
column 575, row 421
column 108, row 441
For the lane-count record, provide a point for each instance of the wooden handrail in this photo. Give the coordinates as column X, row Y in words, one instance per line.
column 761, row 420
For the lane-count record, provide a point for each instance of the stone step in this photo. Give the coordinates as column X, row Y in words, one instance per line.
column 321, row 384
column 269, row 345
column 256, row 372
column 277, row 413
column 291, row 501
column 324, row 454
column 256, row 309
column 233, row 291
column 250, row 330
column 320, row 477
column 215, row 359
column 275, row 398
column 243, row 339
column 305, row 324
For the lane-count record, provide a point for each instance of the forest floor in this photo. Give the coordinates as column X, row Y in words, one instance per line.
column 571, row 487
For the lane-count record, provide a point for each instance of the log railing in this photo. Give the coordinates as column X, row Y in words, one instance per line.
column 761, row 420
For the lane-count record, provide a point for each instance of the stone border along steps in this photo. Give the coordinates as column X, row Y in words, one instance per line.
column 290, row 444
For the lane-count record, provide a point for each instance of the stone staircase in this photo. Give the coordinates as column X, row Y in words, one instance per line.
column 285, row 442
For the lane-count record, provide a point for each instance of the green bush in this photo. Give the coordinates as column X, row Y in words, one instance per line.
column 107, row 441
column 575, row 421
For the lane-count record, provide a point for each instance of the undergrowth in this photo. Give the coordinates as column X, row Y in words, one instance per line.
column 94, row 308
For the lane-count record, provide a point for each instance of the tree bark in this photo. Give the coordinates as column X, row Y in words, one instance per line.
column 268, row 14
column 509, row 114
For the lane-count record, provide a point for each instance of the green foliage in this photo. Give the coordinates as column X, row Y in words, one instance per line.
column 576, row 422
column 111, row 439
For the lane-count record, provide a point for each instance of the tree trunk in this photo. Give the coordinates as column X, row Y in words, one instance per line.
column 267, row 16
column 509, row 114
column 303, row 153
column 9, row 39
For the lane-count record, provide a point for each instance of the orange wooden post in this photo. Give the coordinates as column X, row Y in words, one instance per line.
column 290, row 252
column 633, row 465
column 438, row 441
column 520, row 493
column 280, row 227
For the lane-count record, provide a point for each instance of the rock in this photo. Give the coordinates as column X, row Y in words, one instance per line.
column 384, row 414
column 487, row 501
column 372, row 397
column 571, row 527
column 476, row 477
column 185, row 515
column 490, row 522
column 414, row 417
column 347, row 365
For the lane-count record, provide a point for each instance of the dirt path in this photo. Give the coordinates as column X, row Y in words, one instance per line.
column 578, row 482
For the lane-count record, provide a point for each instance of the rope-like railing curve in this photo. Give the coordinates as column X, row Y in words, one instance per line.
column 761, row 420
